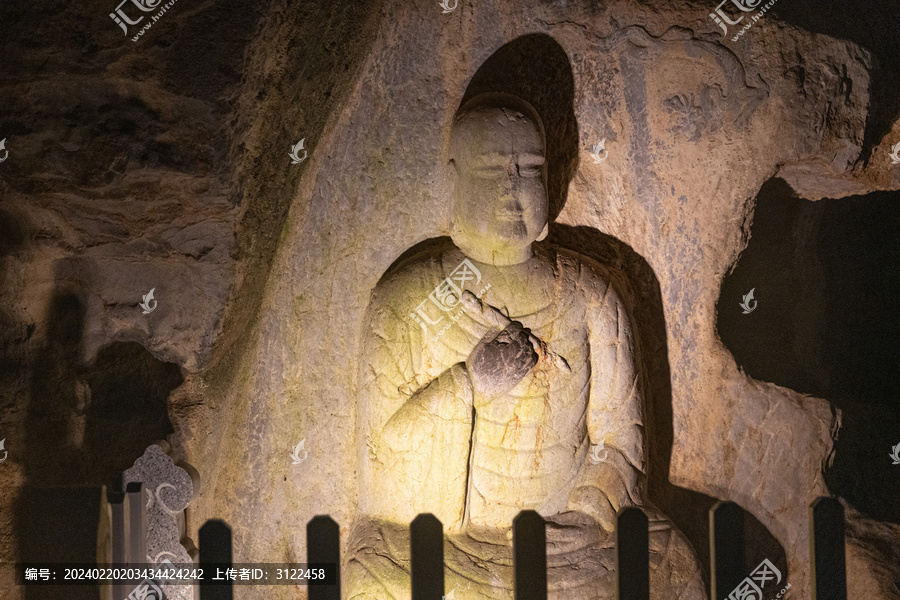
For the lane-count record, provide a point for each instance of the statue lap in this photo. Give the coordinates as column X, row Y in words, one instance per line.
column 379, row 569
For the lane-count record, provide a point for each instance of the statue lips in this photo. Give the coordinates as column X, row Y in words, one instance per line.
column 511, row 226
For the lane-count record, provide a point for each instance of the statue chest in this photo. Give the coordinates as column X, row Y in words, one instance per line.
column 548, row 406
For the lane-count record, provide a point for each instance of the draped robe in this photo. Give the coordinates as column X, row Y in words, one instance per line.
column 425, row 449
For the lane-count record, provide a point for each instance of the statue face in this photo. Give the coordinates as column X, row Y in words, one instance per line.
column 500, row 195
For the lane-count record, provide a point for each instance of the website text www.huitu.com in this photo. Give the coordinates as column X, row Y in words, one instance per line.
column 754, row 19
column 153, row 19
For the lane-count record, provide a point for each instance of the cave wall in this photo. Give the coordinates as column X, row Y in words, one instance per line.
column 155, row 164
column 694, row 126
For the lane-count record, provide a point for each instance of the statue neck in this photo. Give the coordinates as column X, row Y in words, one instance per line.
column 497, row 258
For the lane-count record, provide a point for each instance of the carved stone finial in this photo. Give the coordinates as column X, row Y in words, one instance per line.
column 169, row 489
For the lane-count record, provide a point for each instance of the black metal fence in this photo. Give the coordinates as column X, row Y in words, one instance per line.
column 729, row 579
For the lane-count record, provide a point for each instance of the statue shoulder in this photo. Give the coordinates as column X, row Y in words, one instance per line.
column 409, row 280
column 587, row 275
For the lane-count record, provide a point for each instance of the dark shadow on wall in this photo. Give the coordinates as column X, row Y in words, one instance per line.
column 637, row 285
column 14, row 333
column 129, row 391
column 84, row 425
column 826, row 278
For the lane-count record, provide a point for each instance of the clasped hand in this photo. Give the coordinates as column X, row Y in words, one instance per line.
column 504, row 356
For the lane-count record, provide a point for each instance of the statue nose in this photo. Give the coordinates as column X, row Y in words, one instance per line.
column 512, row 182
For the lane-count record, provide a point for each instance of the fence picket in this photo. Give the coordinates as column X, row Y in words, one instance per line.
column 215, row 549
column 323, row 545
column 827, row 553
column 119, row 538
column 127, row 537
column 426, row 549
column 632, row 555
column 727, row 551
column 530, row 556
column 137, row 523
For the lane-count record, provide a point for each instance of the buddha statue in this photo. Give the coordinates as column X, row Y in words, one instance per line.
column 498, row 374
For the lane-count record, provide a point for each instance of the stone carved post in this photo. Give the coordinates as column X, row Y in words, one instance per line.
column 169, row 489
column 112, row 540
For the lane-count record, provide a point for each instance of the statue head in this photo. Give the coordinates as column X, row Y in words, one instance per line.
column 499, row 179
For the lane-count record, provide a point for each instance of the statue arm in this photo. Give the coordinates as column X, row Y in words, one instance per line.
column 615, row 416
column 447, row 398
column 416, row 429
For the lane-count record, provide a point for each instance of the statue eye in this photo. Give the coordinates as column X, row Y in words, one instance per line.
column 529, row 171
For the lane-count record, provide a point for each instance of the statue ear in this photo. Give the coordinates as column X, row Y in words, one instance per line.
column 452, row 180
column 544, row 231
column 453, row 175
